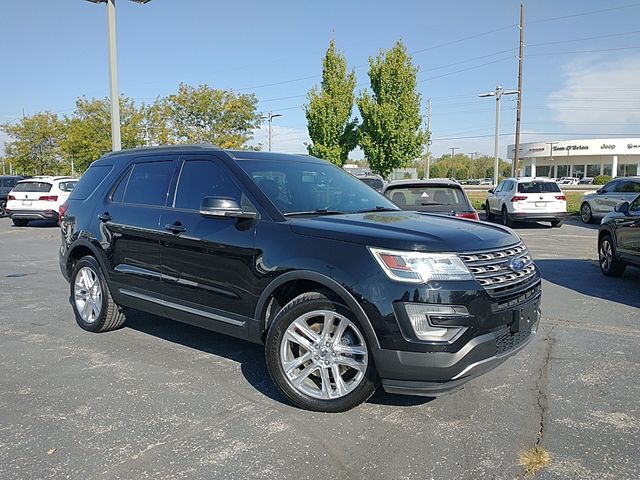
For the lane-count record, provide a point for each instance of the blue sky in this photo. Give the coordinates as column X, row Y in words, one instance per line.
column 582, row 69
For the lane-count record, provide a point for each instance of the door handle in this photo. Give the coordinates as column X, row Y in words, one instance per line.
column 105, row 217
column 175, row 227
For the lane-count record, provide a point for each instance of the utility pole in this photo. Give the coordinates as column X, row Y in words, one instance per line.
column 113, row 77
column 453, row 152
column 498, row 94
column 427, row 170
column 551, row 144
column 270, row 116
column 516, row 154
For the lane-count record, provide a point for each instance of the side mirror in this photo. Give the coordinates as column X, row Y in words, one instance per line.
column 490, row 190
column 600, row 191
column 622, row 208
column 224, row 207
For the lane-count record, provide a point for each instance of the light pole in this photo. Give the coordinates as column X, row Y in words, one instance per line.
column 270, row 116
column 453, row 151
column 551, row 144
column 113, row 71
column 498, row 94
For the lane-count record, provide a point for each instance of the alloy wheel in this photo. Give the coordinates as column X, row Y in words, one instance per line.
column 323, row 355
column 605, row 254
column 585, row 213
column 88, row 294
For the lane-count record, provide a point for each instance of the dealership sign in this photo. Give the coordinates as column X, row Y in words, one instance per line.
column 596, row 146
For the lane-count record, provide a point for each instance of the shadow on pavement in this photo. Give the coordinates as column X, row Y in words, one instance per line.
column 37, row 224
column 584, row 276
column 249, row 355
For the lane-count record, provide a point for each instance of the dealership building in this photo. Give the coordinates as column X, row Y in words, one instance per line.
column 616, row 157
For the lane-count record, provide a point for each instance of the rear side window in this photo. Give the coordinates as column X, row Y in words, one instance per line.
column 373, row 182
column 630, row 187
column 538, row 187
column 148, row 182
column 425, row 196
column 90, row 181
column 40, row 187
column 203, row 178
column 67, row 186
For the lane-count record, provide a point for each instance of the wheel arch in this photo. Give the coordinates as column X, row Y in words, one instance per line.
column 290, row 284
column 81, row 248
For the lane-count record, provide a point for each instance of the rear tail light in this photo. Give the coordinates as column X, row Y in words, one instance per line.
column 62, row 209
column 49, row 198
column 518, row 199
column 560, row 197
column 11, row 197
column 470, row 215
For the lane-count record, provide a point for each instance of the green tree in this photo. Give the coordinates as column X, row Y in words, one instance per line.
column 390, row 133
column 331, row 128
column 210, row 115
column 34, row 145
column 88, row 130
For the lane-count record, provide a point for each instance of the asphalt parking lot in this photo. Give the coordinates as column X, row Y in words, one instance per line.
column 158, row 399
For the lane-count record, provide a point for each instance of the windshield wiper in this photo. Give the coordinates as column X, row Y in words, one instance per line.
column 317, row 211
column 378, row 208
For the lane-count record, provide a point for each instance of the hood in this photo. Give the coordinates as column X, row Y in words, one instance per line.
column 407, row 231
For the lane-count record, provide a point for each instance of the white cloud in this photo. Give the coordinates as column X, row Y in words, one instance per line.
column 284, row 139
column 599, row 95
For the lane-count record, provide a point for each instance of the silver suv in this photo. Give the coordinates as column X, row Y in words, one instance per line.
column 596, row 205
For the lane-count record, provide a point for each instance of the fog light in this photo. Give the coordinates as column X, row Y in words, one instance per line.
column 419, row 313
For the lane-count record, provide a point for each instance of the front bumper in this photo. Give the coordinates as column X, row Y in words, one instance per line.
column 33, row 214
column 437, row 373
column 536, row 216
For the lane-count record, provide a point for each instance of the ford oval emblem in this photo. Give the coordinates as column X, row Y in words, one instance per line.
column 516, row 264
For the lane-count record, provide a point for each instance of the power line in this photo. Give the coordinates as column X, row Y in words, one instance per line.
column 465, row 69
column 582, row 51
column 582, row 39
column 551, row 19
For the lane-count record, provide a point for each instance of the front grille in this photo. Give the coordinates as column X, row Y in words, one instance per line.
column 509, row 341
column 492, row 270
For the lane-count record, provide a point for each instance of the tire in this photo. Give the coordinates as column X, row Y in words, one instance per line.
column 557, row 223
column 316, row 358
column 20, row 222
column 88, row 287
column 505, row 218
column 586, row 214
column 3, row 208
column 609, row 264
column 490, row 216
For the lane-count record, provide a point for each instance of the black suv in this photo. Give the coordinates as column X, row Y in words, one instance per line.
column 7, row 182
column 343, row 288
column 619, row 239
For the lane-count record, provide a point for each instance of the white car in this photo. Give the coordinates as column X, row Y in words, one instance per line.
column 527, row 200
column 568, row 181
column 38, row 198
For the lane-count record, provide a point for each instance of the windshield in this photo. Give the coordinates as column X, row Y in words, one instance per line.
column 538, row 187
column 414, row 197
column 40, row 187
column 299, row 187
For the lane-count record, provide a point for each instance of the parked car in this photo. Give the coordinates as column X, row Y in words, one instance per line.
column 486, row 181
column 527, row 200
column 442, row 196
column 38, row 198
column 619, row 238
column 568, row 181
column 586, row 181
column 374, row 181
column 7, row 182
column 342, row 287
column 595, row 205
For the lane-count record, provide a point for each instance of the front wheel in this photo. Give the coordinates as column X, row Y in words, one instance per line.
column 91, row 300
column 317, row 355
column 609, row 264
column 586, row 214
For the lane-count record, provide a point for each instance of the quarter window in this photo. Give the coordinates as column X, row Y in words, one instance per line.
column 203, row 178
column 148, row 183
column 635, row 205
column 629, row 187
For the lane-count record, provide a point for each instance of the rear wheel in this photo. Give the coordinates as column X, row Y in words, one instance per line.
column 557, row 223
column 505, row 217
column 585, row 213
column 91, row 300
column 20, row 222
column 317, row 355
column 3, row 208
column 609, row 264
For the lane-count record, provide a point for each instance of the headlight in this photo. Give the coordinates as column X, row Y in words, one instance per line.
column 418, row 267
